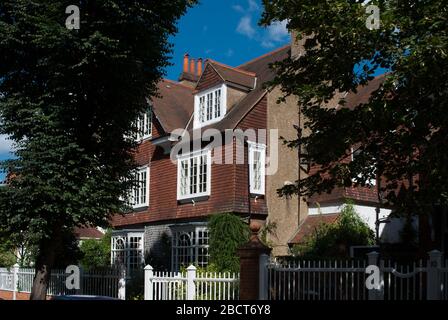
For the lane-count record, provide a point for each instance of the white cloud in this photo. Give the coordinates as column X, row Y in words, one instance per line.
column 5, row 144
column 278, row 31
column 245, row 27
column 238, row 8
column 230, row 53
column 253, row 5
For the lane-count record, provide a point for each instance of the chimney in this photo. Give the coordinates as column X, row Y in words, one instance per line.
column 199, row 67
column 189, row 74
column 186, row 61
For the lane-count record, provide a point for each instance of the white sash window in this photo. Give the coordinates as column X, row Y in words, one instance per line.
column 257, row 168
column 194, row 175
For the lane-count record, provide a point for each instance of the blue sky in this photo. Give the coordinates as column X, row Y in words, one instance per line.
column 226, row 31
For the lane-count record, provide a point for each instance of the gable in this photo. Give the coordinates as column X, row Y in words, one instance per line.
column 210, row 78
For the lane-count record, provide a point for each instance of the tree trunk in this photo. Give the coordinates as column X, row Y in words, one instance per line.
column 44, row 263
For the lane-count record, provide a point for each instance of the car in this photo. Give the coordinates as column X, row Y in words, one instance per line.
column 83, row 297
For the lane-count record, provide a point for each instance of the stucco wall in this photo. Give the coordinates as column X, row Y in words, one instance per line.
column 283, row 212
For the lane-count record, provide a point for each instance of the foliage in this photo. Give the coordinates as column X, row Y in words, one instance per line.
column 335, row 240
column 96, row 252
column 69, row 100
column 401, row 131
column 227, row 233
column 270, row 228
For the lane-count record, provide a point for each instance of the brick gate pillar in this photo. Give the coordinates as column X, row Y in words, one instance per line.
column 249, row 255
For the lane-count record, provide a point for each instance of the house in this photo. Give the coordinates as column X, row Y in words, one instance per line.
column 185, row 175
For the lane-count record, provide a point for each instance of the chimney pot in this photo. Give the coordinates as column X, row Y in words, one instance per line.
column 186, row 62
column 192, row 66
column 199, row 66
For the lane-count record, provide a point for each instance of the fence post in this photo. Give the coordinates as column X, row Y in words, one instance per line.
column 122, row 284
column 376, row 294
column 191, row 285
column 434, row 284
column 15, row 281
column 263, row 285
column 149, row 274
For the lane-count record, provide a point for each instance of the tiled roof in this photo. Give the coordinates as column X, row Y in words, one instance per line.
column 234, row 75
column 88, row 233
column 174, row 106
column 363, row 92
column 310, row 224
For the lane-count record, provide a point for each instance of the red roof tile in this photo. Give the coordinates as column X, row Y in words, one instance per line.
column 88, row 233
column 310, row 224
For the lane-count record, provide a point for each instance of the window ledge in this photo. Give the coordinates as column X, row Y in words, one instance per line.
column 193, row 200
column 140, row 208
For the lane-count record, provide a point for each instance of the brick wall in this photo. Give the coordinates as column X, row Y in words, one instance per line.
column 8, row 295
column 229, row 191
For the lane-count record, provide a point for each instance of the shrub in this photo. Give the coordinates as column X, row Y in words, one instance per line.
column 96, row 253
column 335, row 240
column 228, row 232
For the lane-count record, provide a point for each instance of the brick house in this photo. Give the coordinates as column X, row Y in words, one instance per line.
column 175, row 197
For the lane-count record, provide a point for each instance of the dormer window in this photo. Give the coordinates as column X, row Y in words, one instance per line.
column 210, row 106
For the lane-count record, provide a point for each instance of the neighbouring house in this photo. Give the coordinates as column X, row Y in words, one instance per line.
column 88, row 233
column 176, row 195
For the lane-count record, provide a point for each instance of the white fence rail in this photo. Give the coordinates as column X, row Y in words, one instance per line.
column 346, row 279
column 190, row 285
column 108, row 282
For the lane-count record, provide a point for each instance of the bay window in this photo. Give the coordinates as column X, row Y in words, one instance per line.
column 127, row 249
column 189, row 246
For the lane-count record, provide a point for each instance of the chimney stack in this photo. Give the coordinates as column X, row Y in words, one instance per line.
column 191, row 71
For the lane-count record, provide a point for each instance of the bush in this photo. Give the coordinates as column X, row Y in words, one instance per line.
column 227, row 233
column 335, row 240
column 96, row 253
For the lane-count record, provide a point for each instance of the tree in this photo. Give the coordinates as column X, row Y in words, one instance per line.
column 227, row 233
column 69, row 100
column 96, row 252
column 335, row 240
column 399, row 134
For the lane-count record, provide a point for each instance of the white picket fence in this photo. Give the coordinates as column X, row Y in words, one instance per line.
column 190, row 285
column 107, row 282
column 346, row 279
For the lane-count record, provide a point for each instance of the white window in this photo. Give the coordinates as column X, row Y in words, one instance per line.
column 257, row 168
column 194, row 175
column 127, row 250
column 210, row 106
column 139, row 194
column 190, row 246
column 144, row 125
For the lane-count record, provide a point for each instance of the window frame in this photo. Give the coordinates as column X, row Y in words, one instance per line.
column 202, row 98
column 125, row 236
column 252, row 148
column 147, row 123
column 145, row 204
column 193, row 249
column 188, row 157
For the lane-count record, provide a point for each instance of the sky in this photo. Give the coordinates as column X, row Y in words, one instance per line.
column 226, row 31
column 223, row 30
